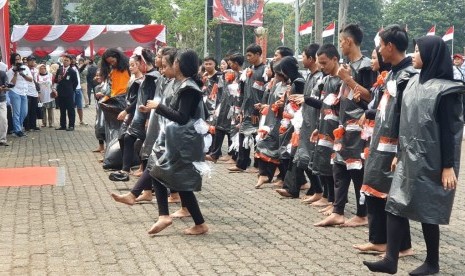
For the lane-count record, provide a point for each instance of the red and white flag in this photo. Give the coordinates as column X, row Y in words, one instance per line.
column 281, row 35
column 306, row 28
column 449, row 34
column 432, row 31
column 329, row 31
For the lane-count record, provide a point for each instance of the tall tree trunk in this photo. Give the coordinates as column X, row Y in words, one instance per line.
column 342, row 17
column 57, row 11
column 318, row 21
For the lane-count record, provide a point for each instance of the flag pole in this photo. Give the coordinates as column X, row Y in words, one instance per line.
column 334, row 33
column 453, row 29
column 243, row 27
column 205, row 31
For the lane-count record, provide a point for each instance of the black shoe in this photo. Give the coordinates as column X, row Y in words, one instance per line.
column 36, row 129
column 5, row 144
column 70, row 129
column 60, row 128
column 119, row 176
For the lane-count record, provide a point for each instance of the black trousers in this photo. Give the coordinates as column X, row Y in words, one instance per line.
column 283, row 167
column 143, row 183
column 328, row 187
column 67, row 106
column 31, row 119
column 218, row 143
column 243, row 157
column 342, row 178
column 377, row 223
column 90, row 88
column 316, row 186
column 127, row 148
column 266, row 169
column 294, row 179
column 187, row 198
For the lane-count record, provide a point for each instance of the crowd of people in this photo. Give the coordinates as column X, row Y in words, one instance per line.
column 31, row 91
column 371, row 122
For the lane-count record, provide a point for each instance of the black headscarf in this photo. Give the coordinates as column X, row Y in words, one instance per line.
column 435, row 55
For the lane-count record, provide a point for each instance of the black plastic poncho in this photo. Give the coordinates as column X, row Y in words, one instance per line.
column 384, row 141
column 304, row 152
column 328, row 121
column 352, row 145
column 416, row 191
column 254, row 87
column 183, row 146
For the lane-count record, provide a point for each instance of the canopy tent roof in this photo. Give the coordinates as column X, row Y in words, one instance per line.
column 55, row 40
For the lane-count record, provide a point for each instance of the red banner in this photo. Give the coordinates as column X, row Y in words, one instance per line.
column 232, row 11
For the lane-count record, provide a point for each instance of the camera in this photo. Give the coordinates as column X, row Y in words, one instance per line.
column 8, row 85
column 18, row 67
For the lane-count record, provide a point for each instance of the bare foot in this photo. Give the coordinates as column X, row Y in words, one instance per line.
column 137, row 173
column 146, row 195
column 262, row 179
column 322, row 202
column 306, row 186
column 312, row 198
column 174, row 198
column 327, row 211
column 333, row 220
column 278, row 183
column 196, row 230
column 162, row 223
column 283, row 192
column 366, row 247
column 224, row 158
column 252, row 170
column 181, row 213
column 356, row 221
column 405, row 253
column 128, row 198
column 99, row 149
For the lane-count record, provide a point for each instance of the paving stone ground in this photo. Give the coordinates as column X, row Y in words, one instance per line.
column 79, row 230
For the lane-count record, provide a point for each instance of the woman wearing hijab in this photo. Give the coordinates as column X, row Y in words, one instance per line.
column 184, row 145
column 425, row 177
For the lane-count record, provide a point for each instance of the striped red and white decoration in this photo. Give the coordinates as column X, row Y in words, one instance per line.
column 54, row 40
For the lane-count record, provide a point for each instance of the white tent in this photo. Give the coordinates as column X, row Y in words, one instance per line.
column 55, row 40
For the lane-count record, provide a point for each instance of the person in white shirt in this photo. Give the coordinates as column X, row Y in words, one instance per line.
column 3, row 66
column 32, row 97
column 19, row 75
column 459, row 73
column 44, row 79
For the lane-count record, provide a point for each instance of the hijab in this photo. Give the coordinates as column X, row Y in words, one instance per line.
column 435, row 55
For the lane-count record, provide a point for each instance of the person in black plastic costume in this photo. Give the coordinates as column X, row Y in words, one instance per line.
column 387, row 99
column 430, row 137
column 324, row 99
column 142, row 190
column 183, row 109
column 302, row 159
column 267, row 149
column 357, row 78
column 252, row 93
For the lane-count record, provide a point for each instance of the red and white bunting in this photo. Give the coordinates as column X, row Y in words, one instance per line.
column 74, row 33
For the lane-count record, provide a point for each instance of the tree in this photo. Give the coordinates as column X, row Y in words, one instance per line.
column 37, row 12
column 111, row 12
column 274, row 16
column 420, row 15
